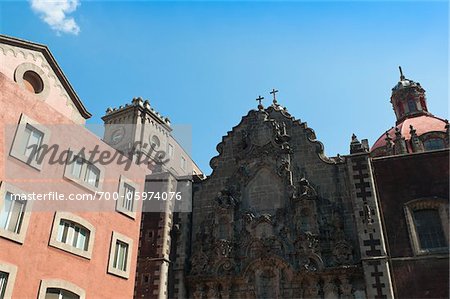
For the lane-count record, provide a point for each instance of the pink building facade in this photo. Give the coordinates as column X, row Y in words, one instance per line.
column 73, row 248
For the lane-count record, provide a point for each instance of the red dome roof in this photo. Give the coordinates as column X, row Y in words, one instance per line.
column 422, row 124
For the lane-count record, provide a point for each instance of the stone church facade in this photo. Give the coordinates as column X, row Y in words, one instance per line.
column 279, row 219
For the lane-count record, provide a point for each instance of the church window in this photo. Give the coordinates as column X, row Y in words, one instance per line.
column 429, row 229
column 412, row 106
column 427, row 221
column 434, row 144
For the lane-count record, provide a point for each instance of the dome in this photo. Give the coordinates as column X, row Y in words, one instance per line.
column 422, row 124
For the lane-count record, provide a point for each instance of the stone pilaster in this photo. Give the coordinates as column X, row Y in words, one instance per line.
column 161, row 182
column 368, row 222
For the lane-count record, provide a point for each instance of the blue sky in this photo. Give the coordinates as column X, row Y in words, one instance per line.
column 204, row 63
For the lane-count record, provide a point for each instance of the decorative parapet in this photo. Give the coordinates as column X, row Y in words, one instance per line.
column 139, row 103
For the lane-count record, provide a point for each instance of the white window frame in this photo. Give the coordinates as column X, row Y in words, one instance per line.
column 122, row 197
column 183, row 163
column 12, row 273
column 84, row 167
column 60, row 284
column 170, row 151
column 16, row 237
column 420, row 204
column 124, row 239
column 67, row 247
column 19, row 143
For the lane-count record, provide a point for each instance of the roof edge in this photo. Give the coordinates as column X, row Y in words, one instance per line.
column 13, row 41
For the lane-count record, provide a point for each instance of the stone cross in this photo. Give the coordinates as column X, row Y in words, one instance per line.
column 260, row 98
column 274, row 93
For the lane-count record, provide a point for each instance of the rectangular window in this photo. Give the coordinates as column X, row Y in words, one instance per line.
column 83, row 172
column 3, row 282
column 126, row 202
column 183, row 163
column 92, row 175
column 76, row 168
column 32, row 141
column 170, row 151
column 29, row 138
column 11, row 215
column 120, row 256
column 73, row 235
column 128, row 199
column 120, row 262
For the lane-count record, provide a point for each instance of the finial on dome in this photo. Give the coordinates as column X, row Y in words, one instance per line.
column 401, row 74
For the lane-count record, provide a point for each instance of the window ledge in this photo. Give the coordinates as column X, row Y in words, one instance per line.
column 70, row 249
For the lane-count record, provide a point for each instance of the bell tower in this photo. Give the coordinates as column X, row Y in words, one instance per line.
column 408, row 99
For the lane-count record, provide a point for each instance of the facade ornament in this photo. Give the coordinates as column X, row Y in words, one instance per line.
column 199, row 262
column 284, row 171
column 223, row 248
column 416, row 143
column 212, row 291
column 199, row 291
column 389, row 144
column 356, row 146
column 226, row 200
column 305, row 190
column 342, row 253
column 313, row 290
column 399, row 143
column 248, row 217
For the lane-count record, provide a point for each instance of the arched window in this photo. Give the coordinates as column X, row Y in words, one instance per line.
column 73, row 234
column 427, row 221
column 434, row 144
column 55, row 293
column 60, row 289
